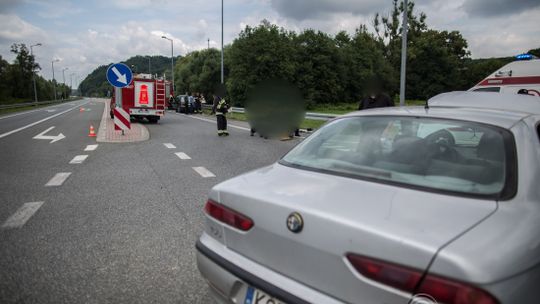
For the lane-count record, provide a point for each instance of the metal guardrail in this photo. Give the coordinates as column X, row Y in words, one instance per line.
column 32, row 103
column 309, row 115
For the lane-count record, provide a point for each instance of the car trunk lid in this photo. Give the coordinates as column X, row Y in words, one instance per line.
column 341, row 215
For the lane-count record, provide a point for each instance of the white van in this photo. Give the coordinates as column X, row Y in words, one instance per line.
column 521, row 74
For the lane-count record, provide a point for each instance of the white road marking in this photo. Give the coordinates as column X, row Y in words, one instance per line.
column 39, row 121
column 213, row 121
column 182, row 155
column 47, row 137
column 203, row 172
column 169, row 146
column 22, row 215
column 79, row 159
column 58, row 179
column 91, row 147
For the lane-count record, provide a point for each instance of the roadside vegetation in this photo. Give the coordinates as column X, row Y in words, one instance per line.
column 335, row 69
column 16, row 79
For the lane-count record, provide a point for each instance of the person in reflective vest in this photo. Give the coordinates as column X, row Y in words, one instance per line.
column 220, row 109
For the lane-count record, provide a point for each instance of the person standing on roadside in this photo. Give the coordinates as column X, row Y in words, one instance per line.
column 375, row 98
column 220, row 108
column 189, row 103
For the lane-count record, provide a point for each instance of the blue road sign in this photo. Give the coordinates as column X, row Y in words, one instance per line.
column 119, row 75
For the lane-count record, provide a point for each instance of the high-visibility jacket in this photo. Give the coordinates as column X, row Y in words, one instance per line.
column 221, row 107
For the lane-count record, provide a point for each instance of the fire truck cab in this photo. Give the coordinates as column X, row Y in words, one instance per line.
column 145, row 97
column 522, row 74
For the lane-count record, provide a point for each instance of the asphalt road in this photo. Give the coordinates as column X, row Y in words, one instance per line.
column 121, row 228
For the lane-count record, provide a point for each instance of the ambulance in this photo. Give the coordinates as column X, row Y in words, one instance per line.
column 522, row 74
column 145, row 97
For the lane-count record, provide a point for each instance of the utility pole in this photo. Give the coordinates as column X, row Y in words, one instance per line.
column 403, row 54
column 149, row 66
column 34, row 72
column 54, row 80
column 221, row 41
column 208, row 44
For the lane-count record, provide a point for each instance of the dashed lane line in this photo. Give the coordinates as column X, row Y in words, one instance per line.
column 58, row 179
column 91, row 147
column 79, row 159
column 169, row 146
column 203, row 172
column 40, row 121
column 22, row 215
column 182, row 155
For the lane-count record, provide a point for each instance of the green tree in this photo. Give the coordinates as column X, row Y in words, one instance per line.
column 198, row 71
column 20, row 72
column 260, row 53
column 316, row 73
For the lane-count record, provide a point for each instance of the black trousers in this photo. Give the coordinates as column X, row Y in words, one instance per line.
column 221, row 123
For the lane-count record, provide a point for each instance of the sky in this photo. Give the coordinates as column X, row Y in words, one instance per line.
column 83, row 35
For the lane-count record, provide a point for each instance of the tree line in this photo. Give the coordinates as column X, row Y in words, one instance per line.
column 16, row 79
column 337, row 68
column 96, row 84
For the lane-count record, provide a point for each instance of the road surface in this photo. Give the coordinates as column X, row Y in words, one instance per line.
column 116, row 223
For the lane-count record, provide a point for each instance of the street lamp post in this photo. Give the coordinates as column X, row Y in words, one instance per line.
column 71, row 83
column 64, row 79
column 172, row 60
column 64, row 75
column 34, row 72
column 54, row 80
column 403, row 55
column 221, row 41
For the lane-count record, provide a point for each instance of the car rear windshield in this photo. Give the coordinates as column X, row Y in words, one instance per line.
column 435, row 154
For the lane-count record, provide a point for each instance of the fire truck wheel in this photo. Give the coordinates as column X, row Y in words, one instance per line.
column 152, row 120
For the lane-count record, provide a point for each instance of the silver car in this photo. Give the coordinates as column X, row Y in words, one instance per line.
column 437, row 204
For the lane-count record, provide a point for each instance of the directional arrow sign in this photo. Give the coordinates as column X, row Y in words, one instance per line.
column 49, row 137
column 119, row 75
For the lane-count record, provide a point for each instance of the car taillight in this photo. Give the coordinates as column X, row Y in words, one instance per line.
column 228, row 216
column 407, row 279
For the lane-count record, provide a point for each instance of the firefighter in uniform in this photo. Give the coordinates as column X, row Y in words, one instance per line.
column 220, row 109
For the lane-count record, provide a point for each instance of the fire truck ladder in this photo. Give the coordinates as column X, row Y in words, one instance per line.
column 160, row 94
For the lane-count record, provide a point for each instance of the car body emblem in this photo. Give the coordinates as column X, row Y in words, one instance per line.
column 295, row 223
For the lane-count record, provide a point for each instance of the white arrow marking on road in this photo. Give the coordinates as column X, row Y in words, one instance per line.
column 47, row 137
column 121, row 77
column 50, row 111
column 37, row 122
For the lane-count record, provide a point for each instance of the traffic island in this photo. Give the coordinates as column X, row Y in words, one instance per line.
column 107, row 133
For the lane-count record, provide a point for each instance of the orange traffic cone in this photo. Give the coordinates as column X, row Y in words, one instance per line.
column 92, row 132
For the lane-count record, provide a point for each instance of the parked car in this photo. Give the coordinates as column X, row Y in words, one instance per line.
column 392, row 205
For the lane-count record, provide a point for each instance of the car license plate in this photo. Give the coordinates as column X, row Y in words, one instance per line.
column 255, row 296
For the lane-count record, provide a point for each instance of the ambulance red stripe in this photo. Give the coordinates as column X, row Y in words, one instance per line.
column 510, row 81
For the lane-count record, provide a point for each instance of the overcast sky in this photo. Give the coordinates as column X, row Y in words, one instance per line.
column 86, row 34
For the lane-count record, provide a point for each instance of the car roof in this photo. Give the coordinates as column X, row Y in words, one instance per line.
column 499, row 109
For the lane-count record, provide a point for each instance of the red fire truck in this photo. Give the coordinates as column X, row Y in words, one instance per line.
column 145, row 97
